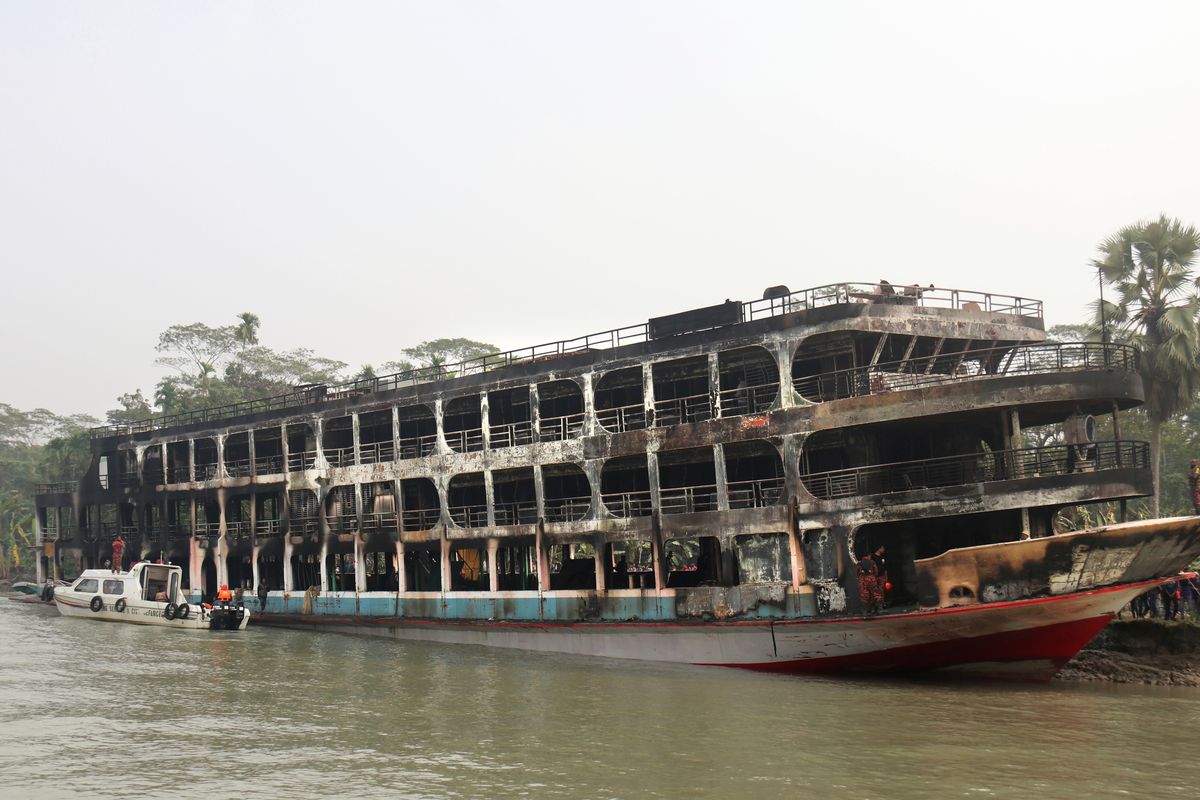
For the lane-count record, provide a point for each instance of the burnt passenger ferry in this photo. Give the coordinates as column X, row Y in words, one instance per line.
column 699, row 488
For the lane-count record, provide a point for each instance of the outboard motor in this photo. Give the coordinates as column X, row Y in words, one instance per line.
column 226, row 615
column 48, row 592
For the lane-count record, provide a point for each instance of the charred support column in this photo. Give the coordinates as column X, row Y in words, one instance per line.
column 163, row 448
column 714, row 383
column 439, row 416
column 489, row 492
column 357, row 448
column 539, row 491
column 599, row 551
column 648, row 393
column 590, row 425
column 221, row 471
column 360, row 562
column 493, row 576
column 401, row 570
column 195, row 554
column 721, row 477
column 543, row 557
column 41, row 543
column 396, row 437
column 318, row 426
column 799, row 567
column 783, row 362
column 253, row 471
column 287, row 564
column 323, row 556
column 1014, row 429
column 535, row 413
column 485, row 426
column 192, row 466
column 284, row 449
column 221, row 555
column 445, row 562
column 656, row 551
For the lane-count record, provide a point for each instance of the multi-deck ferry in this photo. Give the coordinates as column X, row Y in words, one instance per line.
column 699, row 488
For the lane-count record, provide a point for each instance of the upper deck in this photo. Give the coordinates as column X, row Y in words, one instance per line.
column 731, row 320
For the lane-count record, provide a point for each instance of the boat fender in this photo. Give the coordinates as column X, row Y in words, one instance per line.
column 119, row 606
column 241, row 615
column 48, row 592
column 169, row 611
column 183, row 611
column 97, row 603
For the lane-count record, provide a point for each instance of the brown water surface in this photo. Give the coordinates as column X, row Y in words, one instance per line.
column 90, row 708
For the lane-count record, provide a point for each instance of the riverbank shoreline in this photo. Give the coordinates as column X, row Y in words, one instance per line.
column 1139, row 651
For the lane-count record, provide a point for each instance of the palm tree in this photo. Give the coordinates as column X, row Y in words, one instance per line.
column 1157, row 309
column 247, row 332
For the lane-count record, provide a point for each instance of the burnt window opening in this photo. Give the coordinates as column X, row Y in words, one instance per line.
column 128, row 521
column 509, row 420
column 630, row 565
column 237, row 455
column 515, row 498
column 823, row 369
column 340, row 569
column 469, row 568
column 237, row 518
column 695, row 562
column 268, row 515
column 102, row 472
column 625, row 486
column 152, row 466
column 375, row 437
column 129, row 469
column 754, row 470
column 467, row 500
column 423, row 567
column 208, row 516
column 270, row 565
column 178, row 462
column 207, row 466
column 764, row 558
column 420, row 504
column 154, row 527
column 341, row 510
column 516, row 565
column 560, row 410
column 567, row 493
column 379, row 507
column 303, row 514
column 306, row 569
column 179, row 518
column 302, row 447
column 681, row 392
column 687, row 481
column 338, row 442
column 381, row 573
column 268, row 451
column 572, row 566
column 620, row 400
column 820, row 554
column 749, row 381
column 462, row 423
column 240, row 572
column 418, row 432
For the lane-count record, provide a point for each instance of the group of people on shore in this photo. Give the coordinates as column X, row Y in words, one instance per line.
column 1174, row 600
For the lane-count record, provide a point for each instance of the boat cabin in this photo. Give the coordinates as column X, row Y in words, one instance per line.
column 153, row 582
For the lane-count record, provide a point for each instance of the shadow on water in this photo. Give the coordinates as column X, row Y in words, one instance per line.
column 292, row 713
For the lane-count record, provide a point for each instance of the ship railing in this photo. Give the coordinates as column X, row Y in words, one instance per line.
column 206, row 530
column 688, row 499
column 268, row 465
column 61, row 487
column 982, row 467
column 179, row 530
column 969, row 365
column 889, row 294
column 418, row 446
column 340, row 456
column 622, row 418
column 469, row 516
column 629, row 504
column 238, row 530
column 510, row 434
column 128, row 531
column 304, row 526
column 267, row 527
column 379, row 521
column 239, row 467
column 376, row 452
column 556, row 429
column 299, row 461
column 178, row 474
column 520, row 512
column 129, row 479
column 465, row 441
column 343, row 523
column 420, row 519
column 748, row 399
column 566, row 509
column 208, row 471
column 682, row 410
column 756, row 493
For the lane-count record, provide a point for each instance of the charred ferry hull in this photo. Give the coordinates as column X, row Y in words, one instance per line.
column 1022, row 640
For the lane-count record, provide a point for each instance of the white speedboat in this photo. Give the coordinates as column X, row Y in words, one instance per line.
column 148, row 594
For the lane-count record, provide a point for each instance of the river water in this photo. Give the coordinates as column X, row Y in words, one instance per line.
column 90, row 708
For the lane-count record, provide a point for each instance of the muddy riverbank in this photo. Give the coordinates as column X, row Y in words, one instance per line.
column 1140, row 651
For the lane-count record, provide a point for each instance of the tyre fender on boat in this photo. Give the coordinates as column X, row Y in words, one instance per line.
column 119, row 606
column 183, row 611
column 97, row 603
column 170, row 611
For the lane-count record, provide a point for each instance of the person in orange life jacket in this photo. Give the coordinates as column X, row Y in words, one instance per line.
column 223, row 594
column 118, row 553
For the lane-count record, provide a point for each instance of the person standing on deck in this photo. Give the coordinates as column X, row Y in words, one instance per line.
column 869, row 589
column 263, row 591
column 118, row 553
column 881, row 565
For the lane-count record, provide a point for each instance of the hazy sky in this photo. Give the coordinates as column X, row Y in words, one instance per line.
column 368, row 175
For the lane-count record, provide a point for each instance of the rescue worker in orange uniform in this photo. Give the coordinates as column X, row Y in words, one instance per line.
column 223, row 594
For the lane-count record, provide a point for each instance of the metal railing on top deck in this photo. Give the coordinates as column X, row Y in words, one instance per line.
column 62, row 487
column 803, row 300
column 997, row 465
column 1031, row 359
